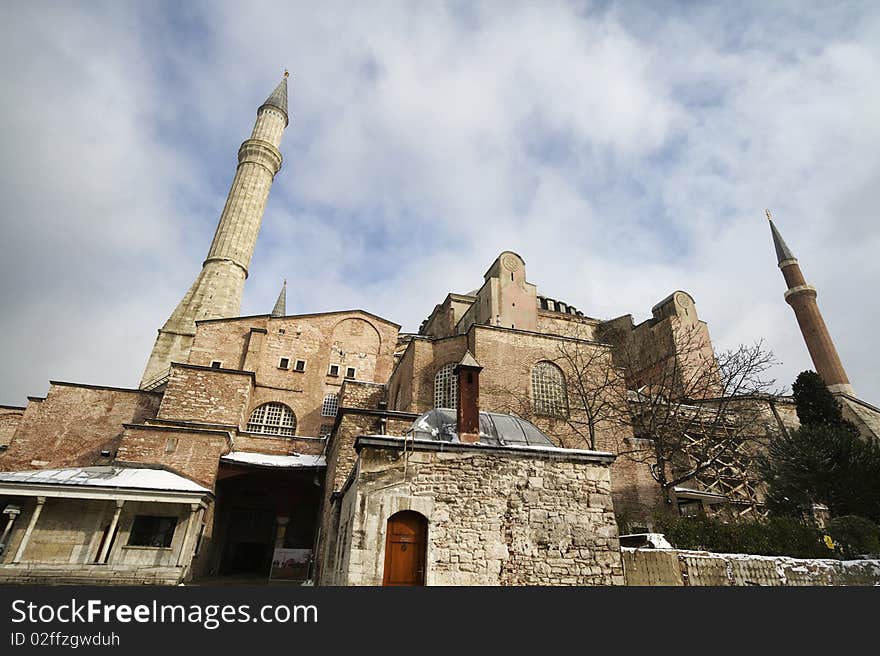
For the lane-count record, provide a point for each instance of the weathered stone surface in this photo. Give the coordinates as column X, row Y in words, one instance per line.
column 486, row 525
column 701, row 568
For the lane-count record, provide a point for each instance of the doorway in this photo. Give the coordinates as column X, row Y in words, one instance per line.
column 248, row 548
column 405, row 541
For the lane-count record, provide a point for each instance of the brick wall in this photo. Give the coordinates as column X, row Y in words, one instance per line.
column 10, row 418
column 73, row 424
column 194, row 454
column 347, row 339
column 507, row 358
column 207, row 395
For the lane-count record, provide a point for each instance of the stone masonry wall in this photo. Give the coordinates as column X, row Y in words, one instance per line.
column 701, row 568
column 73, row 424
column 493, row 518
column 202, row 394
column 10, row 418
column 194, row 454
column 507, row 358
column 347, row 339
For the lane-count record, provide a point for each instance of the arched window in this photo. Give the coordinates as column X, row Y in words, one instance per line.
column 548, row 390
column 272, row 419
column 446, row 388
column 330, row 406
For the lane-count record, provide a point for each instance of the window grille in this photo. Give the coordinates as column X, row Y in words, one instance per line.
column 548, row 390
column 446, row 388
column 272, row 419
column 330, row 405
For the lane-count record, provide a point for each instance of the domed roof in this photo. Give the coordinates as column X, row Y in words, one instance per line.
column 495, row 429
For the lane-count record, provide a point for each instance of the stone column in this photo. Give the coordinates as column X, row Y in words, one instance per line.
column 281, row 531
column 105, row 548
column 13, row 513
column 184, row 558
column 30, row 529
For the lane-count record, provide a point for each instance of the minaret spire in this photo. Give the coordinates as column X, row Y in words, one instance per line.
column 217, row 290
column 280, row 308
column 783, row 252
column 802, row 299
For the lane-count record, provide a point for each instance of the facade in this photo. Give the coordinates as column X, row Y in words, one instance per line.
column 294, row 447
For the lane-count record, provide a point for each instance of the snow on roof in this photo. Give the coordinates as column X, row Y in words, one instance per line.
column 510, row 447
column 267, row 460
column 105, row 477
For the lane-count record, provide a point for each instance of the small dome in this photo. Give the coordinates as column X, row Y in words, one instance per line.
column 495, row 429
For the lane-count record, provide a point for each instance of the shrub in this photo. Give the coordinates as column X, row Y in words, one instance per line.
column 854, row 536
column 774, row 536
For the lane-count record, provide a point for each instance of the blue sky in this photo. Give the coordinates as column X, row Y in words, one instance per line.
column 625, row 150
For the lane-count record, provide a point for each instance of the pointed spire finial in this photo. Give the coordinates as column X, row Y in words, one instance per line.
column 783, row 252
column 278, row 97
column 280, row 308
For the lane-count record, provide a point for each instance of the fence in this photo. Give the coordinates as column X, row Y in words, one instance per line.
column 678, row 567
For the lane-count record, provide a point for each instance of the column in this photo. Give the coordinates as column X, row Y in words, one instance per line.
column 13, row 512
column 108, row 541
column 30, row 529
column 192, row 526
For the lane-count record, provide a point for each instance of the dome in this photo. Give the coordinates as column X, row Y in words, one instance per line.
column 495, row 429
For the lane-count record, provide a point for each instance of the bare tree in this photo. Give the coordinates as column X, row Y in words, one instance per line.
column 695, row 412
column 695, row 408
column 592, row 390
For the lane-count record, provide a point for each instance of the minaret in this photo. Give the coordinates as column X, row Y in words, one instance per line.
column 216, row 292
column 280, row 308
column 802, row 299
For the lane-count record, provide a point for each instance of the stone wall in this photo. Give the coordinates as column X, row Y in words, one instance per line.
column 191, row 453
column 700, row 568
column 347, row 339
column 67, row 540
column 203, row 394
column 73, row 424
column 507, row 357
column 10, row 417
column 496, row 516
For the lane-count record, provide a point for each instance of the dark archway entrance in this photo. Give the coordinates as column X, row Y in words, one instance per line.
column 265, row 522
column 405, row 545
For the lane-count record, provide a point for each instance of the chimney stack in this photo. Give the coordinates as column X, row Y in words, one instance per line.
column 468, row 372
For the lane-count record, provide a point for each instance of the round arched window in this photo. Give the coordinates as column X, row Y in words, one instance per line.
column 548, row 390
column 446, row 387
column 330, row 406
column 272, row 419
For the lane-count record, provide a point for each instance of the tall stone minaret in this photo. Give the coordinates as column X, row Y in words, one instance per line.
column 802, row 299
column 217, row 291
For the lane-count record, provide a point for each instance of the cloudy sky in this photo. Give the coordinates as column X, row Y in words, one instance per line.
column 625, row 150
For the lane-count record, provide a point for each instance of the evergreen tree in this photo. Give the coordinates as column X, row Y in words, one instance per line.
column 825, row 461
column 815, row 403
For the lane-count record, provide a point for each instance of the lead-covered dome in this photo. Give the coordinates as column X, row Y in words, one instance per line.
column 495, row 429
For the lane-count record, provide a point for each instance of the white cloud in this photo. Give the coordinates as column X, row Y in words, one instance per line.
column 623, row 153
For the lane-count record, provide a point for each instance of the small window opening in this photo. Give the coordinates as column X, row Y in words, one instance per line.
column 150, row 531
column 284, row 363
column 300, row 366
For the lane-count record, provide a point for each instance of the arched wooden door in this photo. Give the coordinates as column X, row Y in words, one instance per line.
column 405, row 540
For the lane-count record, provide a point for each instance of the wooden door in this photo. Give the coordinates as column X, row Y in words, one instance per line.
column 405, row 541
